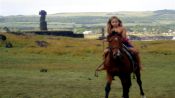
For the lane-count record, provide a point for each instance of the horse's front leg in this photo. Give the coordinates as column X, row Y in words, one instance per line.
column 108, row 85
column 126, row 84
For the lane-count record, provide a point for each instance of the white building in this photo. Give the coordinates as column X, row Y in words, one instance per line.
column 173, row 38
column 87, row 32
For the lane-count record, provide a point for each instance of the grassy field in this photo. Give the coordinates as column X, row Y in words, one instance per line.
column 71, row 63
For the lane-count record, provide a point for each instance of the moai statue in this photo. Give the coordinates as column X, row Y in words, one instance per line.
column 103, row 33
column 43, row 23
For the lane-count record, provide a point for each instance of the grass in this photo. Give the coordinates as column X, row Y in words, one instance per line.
column 71, row 63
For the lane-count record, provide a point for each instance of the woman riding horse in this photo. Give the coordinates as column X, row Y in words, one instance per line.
column 114, row 25
column 116, row 60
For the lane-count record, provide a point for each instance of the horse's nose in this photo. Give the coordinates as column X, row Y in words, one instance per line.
column 116, row 54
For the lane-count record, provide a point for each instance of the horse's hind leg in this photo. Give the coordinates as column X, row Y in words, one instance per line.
column 138, row 76
column 108, row 86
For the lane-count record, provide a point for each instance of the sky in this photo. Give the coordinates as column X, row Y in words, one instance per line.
column 32, row 7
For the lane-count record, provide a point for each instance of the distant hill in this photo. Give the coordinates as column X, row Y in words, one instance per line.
column 134, row 15
column 165, row 11
column 132, row 19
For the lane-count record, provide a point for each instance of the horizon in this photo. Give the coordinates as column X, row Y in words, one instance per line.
column 82, row 12
column 32, row 7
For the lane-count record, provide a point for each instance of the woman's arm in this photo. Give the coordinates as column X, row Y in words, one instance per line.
column 124, row 34
column 125, row 37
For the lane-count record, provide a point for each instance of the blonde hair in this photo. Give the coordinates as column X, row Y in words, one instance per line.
column 109, row 26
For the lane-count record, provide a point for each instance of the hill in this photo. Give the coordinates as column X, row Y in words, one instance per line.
column 160, row 20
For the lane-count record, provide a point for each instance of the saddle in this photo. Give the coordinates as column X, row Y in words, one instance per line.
column 131, row 56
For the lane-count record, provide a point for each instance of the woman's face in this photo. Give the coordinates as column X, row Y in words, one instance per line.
column 114, row 22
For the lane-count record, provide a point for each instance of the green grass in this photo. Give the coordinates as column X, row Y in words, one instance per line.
column 71, row 64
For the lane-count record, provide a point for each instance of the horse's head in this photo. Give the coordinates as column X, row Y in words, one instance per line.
column 115, row 43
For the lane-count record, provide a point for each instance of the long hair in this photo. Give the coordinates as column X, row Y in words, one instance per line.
column 109, row 26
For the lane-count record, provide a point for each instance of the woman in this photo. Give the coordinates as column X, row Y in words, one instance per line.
column 114, row 25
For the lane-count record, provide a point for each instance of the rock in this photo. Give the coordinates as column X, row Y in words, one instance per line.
column 99, row 45
column 2, row 37
column 89, row 79
column 42, row 43
column 8, row 45
column 143, row 46
column 43, row 70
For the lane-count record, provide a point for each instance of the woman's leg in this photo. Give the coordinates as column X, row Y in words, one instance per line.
column 106, row 51
column 105, row 60
column 136, row 53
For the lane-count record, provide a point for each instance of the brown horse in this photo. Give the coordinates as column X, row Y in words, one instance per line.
column 118, row 63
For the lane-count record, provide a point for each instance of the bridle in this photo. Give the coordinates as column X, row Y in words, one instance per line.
column 115, row 39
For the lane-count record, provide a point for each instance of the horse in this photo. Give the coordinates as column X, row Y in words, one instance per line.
column 118, row 63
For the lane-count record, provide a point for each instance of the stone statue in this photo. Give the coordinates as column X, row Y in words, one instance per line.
column 43, row 23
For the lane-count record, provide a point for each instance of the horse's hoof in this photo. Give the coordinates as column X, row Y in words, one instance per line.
column 143, row 96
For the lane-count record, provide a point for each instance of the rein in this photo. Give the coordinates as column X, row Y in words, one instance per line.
column 111, row 48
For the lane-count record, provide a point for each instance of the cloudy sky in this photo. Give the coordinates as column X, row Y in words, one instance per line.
column 32, row 7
